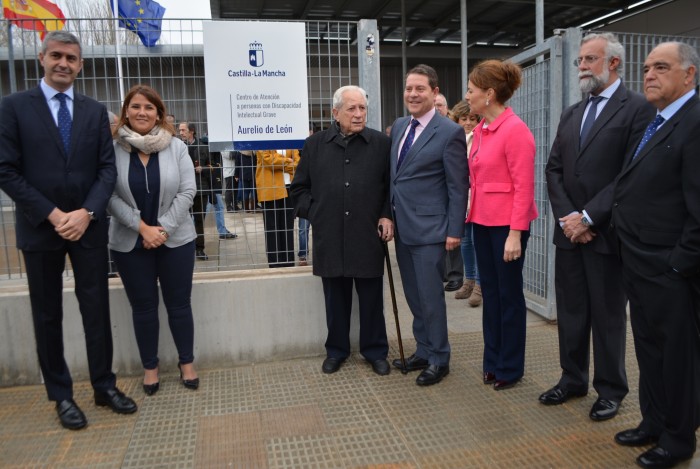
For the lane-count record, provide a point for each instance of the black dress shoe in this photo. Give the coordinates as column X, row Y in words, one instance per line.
column 635, row 437
column 453, row 285
column 381, row 367
column 70, row 415
column 557, row 395
column 228, row 236
column 501, row 384
column 201, row 255
column 331, row 365
column 489, row 378
column 657, row 457
column 115, row 400
column 604, row 409
column 432, row 375
column 413, row 363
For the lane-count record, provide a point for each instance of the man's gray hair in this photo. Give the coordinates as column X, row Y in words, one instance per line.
column 63, row 37
column 338, row 95
column 688, row 56
column 613, row 48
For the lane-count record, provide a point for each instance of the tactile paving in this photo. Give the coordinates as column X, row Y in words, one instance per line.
column 290, row 415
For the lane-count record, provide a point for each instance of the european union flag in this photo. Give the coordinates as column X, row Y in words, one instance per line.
column 144, row 17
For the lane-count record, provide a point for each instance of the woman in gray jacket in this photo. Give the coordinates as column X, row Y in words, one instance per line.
column 151, row 233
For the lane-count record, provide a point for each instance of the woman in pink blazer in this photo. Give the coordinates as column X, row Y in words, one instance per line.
column 501, row 168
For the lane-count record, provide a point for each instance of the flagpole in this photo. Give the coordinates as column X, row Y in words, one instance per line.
column 115, row 13
column 11, row 58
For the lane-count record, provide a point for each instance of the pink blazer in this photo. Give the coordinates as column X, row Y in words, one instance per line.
column 502, row 173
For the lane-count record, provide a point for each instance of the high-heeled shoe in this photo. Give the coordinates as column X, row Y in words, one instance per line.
column 192, row 384
column 151, row 389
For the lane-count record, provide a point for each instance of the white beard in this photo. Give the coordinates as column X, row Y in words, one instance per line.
column 593, row 82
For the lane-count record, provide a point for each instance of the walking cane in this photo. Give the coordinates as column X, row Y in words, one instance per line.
column 393, row 302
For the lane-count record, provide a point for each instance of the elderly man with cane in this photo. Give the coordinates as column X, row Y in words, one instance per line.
column 342, row 186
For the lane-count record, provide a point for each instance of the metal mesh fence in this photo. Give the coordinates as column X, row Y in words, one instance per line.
column 114, row 62
column 531, row 102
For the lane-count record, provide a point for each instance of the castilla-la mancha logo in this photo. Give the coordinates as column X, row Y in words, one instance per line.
column 255, row 54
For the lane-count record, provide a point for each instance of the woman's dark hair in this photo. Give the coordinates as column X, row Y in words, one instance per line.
column 503, row 77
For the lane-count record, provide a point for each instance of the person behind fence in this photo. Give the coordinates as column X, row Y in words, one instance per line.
column 152, row 233
column 341, row 186
column 202, row 168
column 502, row 171
column 656, row 216
column 587, row 155
column 471, row 287
column 215, row 199
column 454, row 265
column 246, row 161
column 230, row 183
column 429, row 188
column 273, row 175
column 57, row 165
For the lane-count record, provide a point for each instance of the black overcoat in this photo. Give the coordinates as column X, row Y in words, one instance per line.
column 342, row 187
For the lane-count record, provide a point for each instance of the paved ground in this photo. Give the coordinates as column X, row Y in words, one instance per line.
column 290, row 415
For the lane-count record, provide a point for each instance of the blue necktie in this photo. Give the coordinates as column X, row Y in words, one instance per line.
column 408, row 142
column 590, row 118
column 64, row 121
column 651, row 130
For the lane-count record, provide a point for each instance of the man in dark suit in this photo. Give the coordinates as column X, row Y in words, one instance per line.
column 346, row 203
column 656, row 215
column 587, row 154
column 429, row 184
column 57, row 164
column 202, row 168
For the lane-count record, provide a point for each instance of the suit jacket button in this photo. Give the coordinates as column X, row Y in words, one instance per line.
column 347, row 184
column 347, row 214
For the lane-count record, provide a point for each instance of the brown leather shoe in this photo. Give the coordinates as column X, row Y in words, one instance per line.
column 475, row 298
column 489, row 378
column 465, row 291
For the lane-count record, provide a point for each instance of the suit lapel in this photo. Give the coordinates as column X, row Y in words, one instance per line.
column 42, row 110
column 612, row 107
column 658, row 137
column 401, row 124
column 78, row 120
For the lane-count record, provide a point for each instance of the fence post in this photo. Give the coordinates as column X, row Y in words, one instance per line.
column 368, row 70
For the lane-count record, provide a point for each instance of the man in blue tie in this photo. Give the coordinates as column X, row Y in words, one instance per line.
column 57, row 164
column 429, row 184
column 588, row 153
column 656, row 215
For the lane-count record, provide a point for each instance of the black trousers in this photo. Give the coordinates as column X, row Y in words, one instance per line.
column 231, row 188
column 338, row 295
column 141, row 270
column 278, row 220
column 199, row 207
column 45, row 280
column 662, row 313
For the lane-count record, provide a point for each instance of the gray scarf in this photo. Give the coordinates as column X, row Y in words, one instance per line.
column 158, row 139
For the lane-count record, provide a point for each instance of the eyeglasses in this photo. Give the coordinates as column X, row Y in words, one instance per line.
column 587, row 59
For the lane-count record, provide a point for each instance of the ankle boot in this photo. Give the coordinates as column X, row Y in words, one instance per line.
column 475, row 298
column 466, row 290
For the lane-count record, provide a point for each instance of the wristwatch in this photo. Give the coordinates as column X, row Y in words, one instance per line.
column 585, row 221
column 92, row 215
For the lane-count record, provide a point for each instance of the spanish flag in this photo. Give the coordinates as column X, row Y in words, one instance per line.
column 38, row 15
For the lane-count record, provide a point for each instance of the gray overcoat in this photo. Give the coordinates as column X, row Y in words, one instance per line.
column 342, row 187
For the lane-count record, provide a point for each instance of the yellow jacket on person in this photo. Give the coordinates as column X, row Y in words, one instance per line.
column 269, row 174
